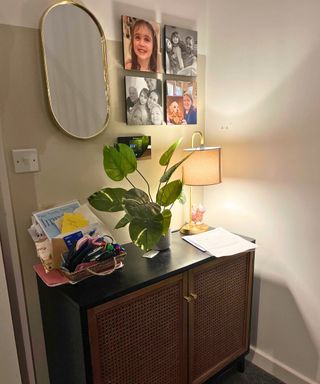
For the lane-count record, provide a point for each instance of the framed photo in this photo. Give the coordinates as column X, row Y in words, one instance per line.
column 181, row 102
column 180, row 51
column 143, row 101
column 141, row 44
column 141, row 145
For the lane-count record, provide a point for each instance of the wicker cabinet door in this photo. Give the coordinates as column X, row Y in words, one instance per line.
column 220, row 315
column 140, row 338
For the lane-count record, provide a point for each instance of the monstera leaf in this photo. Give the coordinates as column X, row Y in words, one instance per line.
column 166, row 221
column 166, row 156
column 169, row 193
column 137, row 204
column 108, row 199
column 124, row 221
column 145, row 232
column 166, row 176
column 119, row 161
column 147, row 220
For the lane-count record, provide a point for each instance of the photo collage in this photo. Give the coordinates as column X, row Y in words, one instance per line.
column 144, row 95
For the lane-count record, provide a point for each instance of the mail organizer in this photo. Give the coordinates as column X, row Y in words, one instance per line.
column 180, row 317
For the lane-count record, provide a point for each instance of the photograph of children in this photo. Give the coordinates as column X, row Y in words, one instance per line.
column 181, row 102
column 141, row 44
column 180, row 51
column 143, row 101
column 141, row 145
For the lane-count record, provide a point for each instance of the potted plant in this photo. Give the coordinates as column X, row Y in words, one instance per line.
column 148, row 219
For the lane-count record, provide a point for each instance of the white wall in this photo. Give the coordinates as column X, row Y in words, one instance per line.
column 263, row 83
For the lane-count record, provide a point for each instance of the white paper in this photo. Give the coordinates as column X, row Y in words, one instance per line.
column 220, row 242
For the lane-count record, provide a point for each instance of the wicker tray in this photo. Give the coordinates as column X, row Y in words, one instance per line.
column 102, row 268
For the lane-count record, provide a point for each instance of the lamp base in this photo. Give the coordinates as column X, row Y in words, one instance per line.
column 192, row 229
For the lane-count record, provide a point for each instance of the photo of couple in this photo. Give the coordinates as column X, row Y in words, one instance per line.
column 141, row 44
column 180, row 51
column 143, row 101
column 181, row 102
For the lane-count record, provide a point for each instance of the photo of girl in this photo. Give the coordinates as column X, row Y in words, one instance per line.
column 181, row 51
column 181, row 101
column 147, row 108
column 141, row 44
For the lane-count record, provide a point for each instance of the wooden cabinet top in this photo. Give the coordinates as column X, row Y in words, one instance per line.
column 137, row 273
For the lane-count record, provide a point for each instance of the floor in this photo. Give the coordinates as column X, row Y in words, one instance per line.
column 251, row 375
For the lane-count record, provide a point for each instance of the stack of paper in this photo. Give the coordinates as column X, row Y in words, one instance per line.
column 220, row 242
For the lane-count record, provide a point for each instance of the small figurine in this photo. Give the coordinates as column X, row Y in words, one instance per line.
column 197, row 213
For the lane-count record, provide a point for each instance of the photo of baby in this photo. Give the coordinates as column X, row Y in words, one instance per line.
column 143, row 101
column 181, row 102
column 180, row 51
column 141, row 44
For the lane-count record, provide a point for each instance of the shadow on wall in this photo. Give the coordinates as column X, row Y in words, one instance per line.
column 273, row 329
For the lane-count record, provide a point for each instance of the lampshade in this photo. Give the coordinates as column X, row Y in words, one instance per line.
column 203, row 167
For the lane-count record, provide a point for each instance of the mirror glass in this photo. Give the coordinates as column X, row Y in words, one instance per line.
column 74, row 50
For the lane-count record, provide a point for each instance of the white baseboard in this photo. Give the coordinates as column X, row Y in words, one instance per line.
column 276, row 368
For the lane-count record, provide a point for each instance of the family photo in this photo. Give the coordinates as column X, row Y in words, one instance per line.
column 143, row 101
column 141, row 44
column 181, row 102
column 180, row 51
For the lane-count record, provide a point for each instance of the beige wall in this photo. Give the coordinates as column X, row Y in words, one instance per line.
column 185, row 14
column 9, row 366
column 69, row 168
column 265, row 87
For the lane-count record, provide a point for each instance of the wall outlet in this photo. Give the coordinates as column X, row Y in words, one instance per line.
column 25, row 160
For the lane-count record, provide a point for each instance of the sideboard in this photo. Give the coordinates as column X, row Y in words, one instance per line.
column 180, row 317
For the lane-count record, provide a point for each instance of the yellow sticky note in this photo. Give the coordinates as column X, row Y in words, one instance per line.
column 73, row 221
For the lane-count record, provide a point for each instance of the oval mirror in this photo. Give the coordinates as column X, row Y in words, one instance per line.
column 74, row 50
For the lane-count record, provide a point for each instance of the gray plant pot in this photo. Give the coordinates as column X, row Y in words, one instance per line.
column 164, row 242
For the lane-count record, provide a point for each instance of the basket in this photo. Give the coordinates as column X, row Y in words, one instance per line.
column 102, row 268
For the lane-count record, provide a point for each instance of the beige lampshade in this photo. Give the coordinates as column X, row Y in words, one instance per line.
column 203, row 167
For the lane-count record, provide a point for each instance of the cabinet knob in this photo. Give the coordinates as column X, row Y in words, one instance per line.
column 188, row 298
column 194, row 296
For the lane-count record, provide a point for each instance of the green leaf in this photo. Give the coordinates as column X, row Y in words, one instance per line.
column 182, row 197
column 124, row 221
column 137, row 204
column 108, row 199
column 145, row 233
column 166, row 156
column 119, row 161
column 169, row 193
column 166, row 221
column 166, row 176
column 137, row 195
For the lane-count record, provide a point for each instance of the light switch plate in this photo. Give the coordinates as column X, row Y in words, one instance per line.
column 25, row 160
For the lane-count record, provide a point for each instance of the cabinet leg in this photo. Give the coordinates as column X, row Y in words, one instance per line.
column 241, row 365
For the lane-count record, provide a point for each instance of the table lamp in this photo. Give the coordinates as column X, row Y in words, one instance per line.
column 200, row 169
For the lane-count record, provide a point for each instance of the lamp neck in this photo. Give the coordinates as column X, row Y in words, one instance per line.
column 201, row 138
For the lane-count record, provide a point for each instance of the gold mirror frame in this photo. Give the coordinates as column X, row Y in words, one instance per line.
column 105, row 89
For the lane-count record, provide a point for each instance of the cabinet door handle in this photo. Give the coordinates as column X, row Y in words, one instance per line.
column 194, row 296
column 188, row 298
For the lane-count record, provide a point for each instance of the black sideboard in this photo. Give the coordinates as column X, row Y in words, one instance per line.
column 180, row 317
